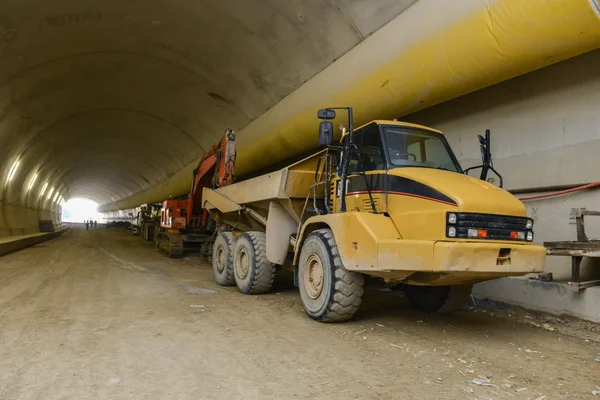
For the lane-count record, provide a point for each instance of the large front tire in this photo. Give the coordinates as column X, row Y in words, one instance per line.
column 254, row 274
column 222, row 260
column 329, row 292
column 438, row 299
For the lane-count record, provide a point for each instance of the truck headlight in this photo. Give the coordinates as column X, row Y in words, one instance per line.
column 452, row 232
column 529, row 224
column 530, row 236
column 451, row 218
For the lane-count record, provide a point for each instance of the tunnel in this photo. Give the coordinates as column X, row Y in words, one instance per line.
column 115, row 103
column 104, row 100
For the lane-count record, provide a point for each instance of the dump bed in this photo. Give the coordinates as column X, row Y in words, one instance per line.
column 288, row 186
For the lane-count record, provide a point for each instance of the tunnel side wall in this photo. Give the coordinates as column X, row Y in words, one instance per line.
column 16, row 220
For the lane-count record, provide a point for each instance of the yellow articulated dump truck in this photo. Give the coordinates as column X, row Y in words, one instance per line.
column 390, row 201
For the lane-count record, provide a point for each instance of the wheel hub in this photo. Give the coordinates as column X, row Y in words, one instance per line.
column 313, row 278
column 220, row 258
column 242, row 263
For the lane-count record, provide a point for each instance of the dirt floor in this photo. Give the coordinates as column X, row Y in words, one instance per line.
column 100, row 314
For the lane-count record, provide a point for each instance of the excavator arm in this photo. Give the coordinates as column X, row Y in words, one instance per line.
column 215, row 169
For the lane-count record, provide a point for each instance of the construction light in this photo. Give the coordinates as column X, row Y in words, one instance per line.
column 529, row 224
column 451, row 218
column 530, row 236
column 32, row 181
column 13, row 170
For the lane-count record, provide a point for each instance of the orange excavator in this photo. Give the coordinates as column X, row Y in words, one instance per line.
column 183, row 222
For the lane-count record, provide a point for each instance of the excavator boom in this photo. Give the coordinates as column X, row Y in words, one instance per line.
column 215, row 170
column 186, row 220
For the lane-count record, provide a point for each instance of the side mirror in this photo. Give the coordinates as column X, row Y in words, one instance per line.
column 326, row 114
column 486, row 158
column 483, row 153
column 483, row 148
column 325, row 133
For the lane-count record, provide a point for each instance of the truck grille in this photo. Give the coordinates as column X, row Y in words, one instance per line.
column 498, row 227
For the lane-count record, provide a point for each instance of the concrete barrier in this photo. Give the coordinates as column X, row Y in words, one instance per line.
column 555, row 298
column 15, row 243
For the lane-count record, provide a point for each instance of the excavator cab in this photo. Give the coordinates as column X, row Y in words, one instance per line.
column 184, row 221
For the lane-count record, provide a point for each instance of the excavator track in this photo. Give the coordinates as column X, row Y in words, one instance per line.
column 170, row 244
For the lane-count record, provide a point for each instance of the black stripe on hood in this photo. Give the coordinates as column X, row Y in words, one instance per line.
column 392, row 184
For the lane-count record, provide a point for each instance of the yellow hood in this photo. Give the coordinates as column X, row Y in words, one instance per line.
column 470, row 194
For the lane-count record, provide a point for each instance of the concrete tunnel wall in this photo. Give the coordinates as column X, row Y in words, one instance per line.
column 545, row 131
column 105, row 99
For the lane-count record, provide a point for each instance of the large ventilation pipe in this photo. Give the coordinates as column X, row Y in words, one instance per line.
column 431, row 53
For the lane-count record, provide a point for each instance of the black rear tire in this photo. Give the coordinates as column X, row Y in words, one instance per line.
column 438, row 299
column 329, row 292
column 253, row 273
column 222, row 259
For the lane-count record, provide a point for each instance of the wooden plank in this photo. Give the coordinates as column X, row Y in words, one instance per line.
column 575, row 268
column 587, row 212
column 573, row 253
column 577, row 286
column 581, row 236
column 573, row 245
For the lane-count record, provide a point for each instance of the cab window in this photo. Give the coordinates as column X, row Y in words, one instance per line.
column 413, row 147
column 368, row 155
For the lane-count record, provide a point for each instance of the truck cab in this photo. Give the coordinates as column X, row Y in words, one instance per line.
column 380, row 150
column 410, row 173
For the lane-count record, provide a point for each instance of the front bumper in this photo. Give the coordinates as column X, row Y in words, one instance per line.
column 421, row 262
column 490, row 258
column 502, row 258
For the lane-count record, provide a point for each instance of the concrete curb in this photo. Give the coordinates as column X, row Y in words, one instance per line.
column 551, row 297
column 24, row 242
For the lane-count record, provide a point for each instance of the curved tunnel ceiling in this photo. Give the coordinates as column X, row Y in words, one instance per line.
column 103, row 99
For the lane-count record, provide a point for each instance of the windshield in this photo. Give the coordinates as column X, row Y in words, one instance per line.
column 414, row 147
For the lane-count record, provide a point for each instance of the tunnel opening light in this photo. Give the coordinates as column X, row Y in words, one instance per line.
column 50, row 193
column 13, row 170
column 79, row 210
column 32, row 181
column 44, row 189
